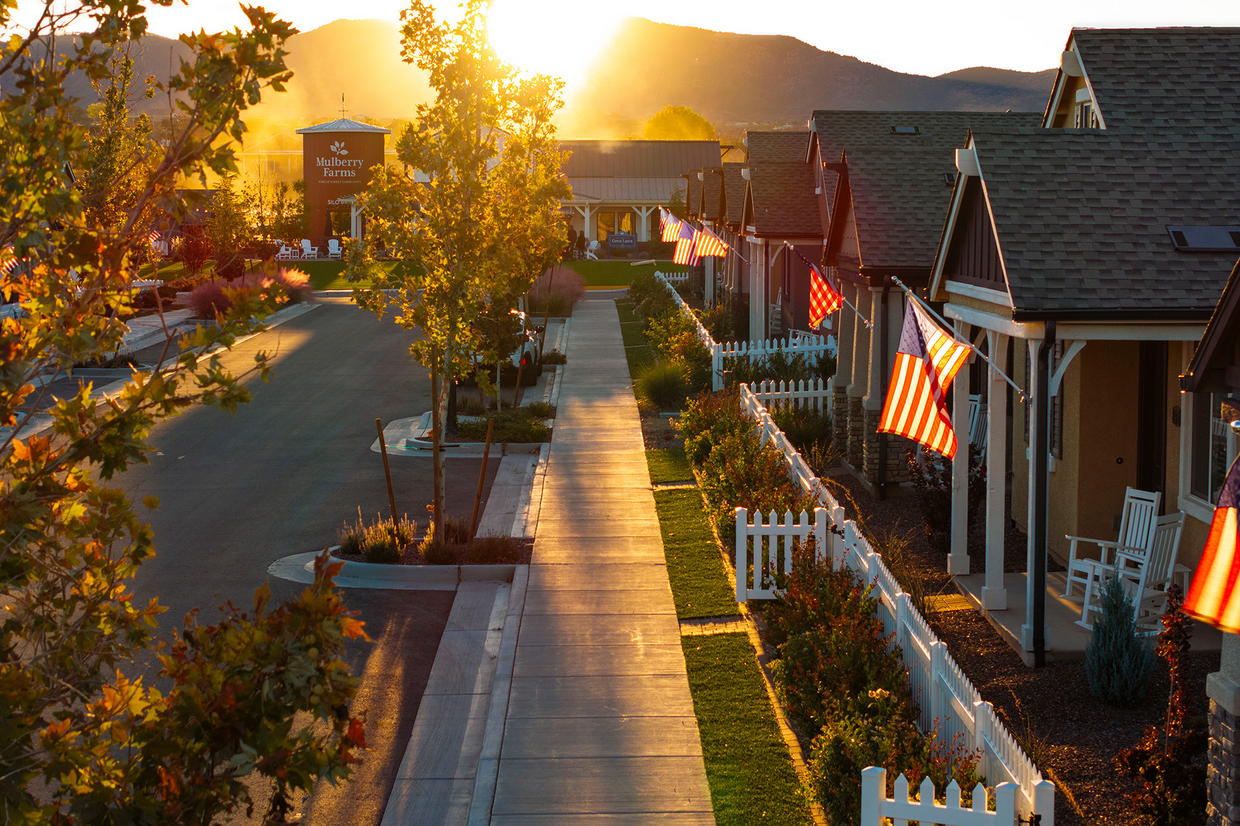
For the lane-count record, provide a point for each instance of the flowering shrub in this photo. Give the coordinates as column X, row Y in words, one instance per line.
column 211, row 298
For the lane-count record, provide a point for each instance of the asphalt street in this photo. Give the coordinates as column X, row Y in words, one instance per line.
column 238, row 491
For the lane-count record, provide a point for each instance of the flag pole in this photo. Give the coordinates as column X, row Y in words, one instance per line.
column 952, row 331
column 843, row 298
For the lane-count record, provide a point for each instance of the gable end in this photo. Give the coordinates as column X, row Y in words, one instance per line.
column 973, row 257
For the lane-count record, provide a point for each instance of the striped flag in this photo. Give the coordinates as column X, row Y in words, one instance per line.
column 8, row 261
column 824, row 299
column 671, row 225
column 1214, row 597
column 686, row 245
column 926, row 362
column 710, row 244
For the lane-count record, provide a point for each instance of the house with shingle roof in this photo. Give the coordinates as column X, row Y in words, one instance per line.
column 1089, row 259
column 618, row 186
column 883, row 181
column 780, row 210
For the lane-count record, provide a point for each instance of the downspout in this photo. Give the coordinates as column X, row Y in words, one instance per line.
column 1041, row 493
column 883, row 346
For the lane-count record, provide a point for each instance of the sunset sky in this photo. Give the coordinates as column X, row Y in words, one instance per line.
column 914, row 36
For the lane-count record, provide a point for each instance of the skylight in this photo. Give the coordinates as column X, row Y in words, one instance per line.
column 906, row 130
column 1205, row 239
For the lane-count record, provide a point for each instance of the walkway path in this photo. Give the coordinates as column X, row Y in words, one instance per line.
column 600, row 726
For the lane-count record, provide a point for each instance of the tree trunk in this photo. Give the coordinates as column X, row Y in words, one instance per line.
column 437, row 458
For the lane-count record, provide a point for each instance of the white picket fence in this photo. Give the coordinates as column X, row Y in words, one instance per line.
column 769, row 558
column 876, row 807
column 814, row 394
column 675, row 278
column 802, row 343
column 950, row 705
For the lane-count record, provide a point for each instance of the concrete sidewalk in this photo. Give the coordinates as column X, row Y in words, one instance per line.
column 599, row 725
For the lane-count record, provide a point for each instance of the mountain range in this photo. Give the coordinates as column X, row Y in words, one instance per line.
column 735, row 80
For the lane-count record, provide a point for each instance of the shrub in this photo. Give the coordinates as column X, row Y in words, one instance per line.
column 208, row 300
column 150, row 298
column 931, row 476
column 707, row 419
column 445, row 551
column 211, row 297
column 554, row 357
column 511, row 425
column 808, row 429
column 495, row 550
column 541, row 410
column 1167, row 761
column 778, row 366
column 382, row 541
column 439, row 553
column 1118, row 663
column 740, row 474
column 555, row 292
column 294, row 283
column 230, row 266
column 661, row 384
column 195, row 249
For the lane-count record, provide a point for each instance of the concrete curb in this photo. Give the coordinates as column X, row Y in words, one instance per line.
column 300, row 568
column 487, row 775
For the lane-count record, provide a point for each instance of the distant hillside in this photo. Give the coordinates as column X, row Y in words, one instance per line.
column 737, row 81
column 733, row 78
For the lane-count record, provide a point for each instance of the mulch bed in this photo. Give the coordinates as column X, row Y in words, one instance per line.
column 410, row 556
column 1070, row 734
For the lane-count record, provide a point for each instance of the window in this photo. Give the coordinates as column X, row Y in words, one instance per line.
column 1085, row 117
column 1211, row 415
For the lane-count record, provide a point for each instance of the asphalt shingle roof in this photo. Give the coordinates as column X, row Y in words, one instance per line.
column 1082, row 216
column 637, row 159
column 734, row 192
column 695, row 193
column 784, row 204
column 1165, row 77
column 899, row 192
column 777, row 147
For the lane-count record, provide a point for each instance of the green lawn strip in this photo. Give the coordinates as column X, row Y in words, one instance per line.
column 670, row 465
column 748, row 766
column 638, row 357
column 626, row 309
column 611, row 274
column 700, row 586
column 632, row 333
column 329, row 275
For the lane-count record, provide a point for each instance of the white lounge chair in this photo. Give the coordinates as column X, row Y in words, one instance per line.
column 287, row 253
column 1145, row 576
column 308, row 251
column 1136, row 534
column 334, row 250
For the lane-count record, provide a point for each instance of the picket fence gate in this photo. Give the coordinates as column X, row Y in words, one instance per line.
column 950, row 705
column 772, row 545
column 877, row 808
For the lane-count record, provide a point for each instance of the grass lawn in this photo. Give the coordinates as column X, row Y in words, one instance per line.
column 329, row 275
column 627, row 311
column 694, row 567
column 669, row 465
column 747, row 763
column 631, row 331
column 611, row 274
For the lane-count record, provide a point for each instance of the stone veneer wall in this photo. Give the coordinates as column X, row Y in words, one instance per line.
column 897, row 448
column 1223, row 794
column 839, row 419
column 856, row 433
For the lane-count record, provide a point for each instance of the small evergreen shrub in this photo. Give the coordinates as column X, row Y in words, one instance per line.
column 494, row 550
column 661, row 384
column 1118, row 663
column 541, row 410
column 439, row 553
column 150, row 298
column 554, row 357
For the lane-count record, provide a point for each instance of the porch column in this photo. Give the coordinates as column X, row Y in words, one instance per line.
column 643, row 233
column 1039, row 432
column 860, row 382
column 587, row 226
column 708, row 292
column 958, row 556
column 843, row 368
column 994, row 595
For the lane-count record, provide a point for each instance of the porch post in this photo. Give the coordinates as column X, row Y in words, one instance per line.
column 858, row 385
column 994, row 595
column 643, row 233
column 843, row 368
column 874, row 391
column 708, row 290
column 1033, row 632
column 958, row 556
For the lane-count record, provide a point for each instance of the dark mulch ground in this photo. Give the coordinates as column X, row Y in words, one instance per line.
column 410, row 556
column 1072, row 736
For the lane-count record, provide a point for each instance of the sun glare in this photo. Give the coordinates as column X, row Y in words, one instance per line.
column 553, row 37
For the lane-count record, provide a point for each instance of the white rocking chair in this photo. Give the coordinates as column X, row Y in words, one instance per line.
column 1136, row 534
column 308, row 251
column 333, row 249
column 1145, row 576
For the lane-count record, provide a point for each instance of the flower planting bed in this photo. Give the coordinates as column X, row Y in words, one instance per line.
column 1071, row 735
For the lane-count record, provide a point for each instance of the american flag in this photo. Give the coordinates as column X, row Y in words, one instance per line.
column 1214, row 597
column 824, row 299
column 710, row 244
column 8, row 261
column 686, row 246
column 671, row 225
column 926, row 362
